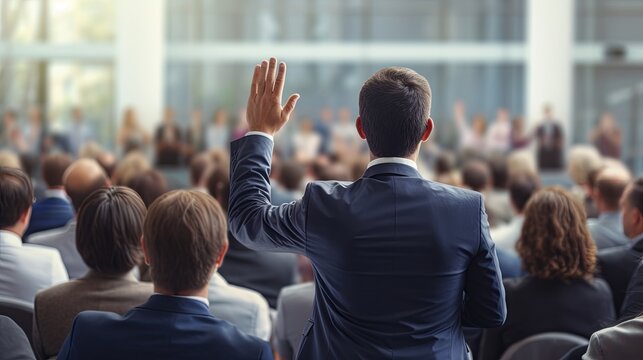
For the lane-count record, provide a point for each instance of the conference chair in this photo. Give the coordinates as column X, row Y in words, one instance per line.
column 546, row 346
column 19, row 311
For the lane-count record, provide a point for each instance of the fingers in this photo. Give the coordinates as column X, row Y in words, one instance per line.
column 255, row 83
column 289, row 107
column 270, row 76
column 261, row 84
column 280, row 81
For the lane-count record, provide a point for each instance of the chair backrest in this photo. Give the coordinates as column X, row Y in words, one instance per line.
column 19, row 311
column 544, row 346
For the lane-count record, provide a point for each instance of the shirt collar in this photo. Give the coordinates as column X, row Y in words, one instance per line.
column 393, row 160
column 56, row 193
column 10, row 238
column 197, row 298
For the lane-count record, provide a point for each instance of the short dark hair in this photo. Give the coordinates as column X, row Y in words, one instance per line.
column 150, row 185
column 521, row 187
column 219, row 186
column 53, row 169
column 184, row 233
column 635, row 195
column 109, row 229
column 444, row 163
column 394, row 105
column 611, row 190
column 291, row 175
column 199, row 165
column 16, row 195
column 499, row 170
column 476, row 175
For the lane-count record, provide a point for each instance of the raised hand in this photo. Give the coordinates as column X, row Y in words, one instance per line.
column 264, row 110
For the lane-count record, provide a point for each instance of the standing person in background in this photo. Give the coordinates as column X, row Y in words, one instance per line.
column 551, row 142
column 471, row 137
column 168, row 140
column 195, row 136
column 131, row 136
column 217, row 134
column 519, row 137
column 241, row 128
column 79, row 132
column 306, row 142
column 9, row 126
column 606, row 136
column 499, row 134
column 324, row 127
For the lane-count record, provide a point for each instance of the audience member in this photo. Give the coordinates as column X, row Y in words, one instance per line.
column 55, row 210
column 132, row 136
column 79, row 131
column 200, row 167
column 617, row 265
column 633, row 302
column 184, row 242
column 149, row 184
column 607, row 229
column 134, row 163
column 217, row 133
column 110, row 226
column 559, row 294
column 169, row 141
column 306, row 142
column 497, row 198
column 471, row 137
column 622, row 341
column 606, row 137
column 519, row 137
column 82, row 178
column 195, row 136
column 445, row 169
column 499, row 134
column 550, row 142
column 294, row 308
column 583, row 161
column 14, row 344
column 476, row 176
column 24, row 269
column 9, row 159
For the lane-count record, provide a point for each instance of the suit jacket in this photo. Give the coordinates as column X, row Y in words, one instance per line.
column 49, row 213
column 56, row 307
column 633, row 302
column 401, row 263
column 244, row 308
column 25, row 269
column 622, row 341
column 14, row 344
column 64, row 240
column 617, row 265
column 293, row 310
column 536, row 306
column 607, row 230
column 165, row 327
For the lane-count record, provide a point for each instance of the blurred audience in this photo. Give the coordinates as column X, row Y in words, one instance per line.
column 79, row 132
column 550, row 142
column 132, row 136
column 584, row 161
column 607, row 137
column 607, row 229
column 217, row 133
column 169, row 141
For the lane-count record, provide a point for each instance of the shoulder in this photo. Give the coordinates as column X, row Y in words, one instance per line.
column 57, row 293
column 245, row 297
column 91, row 322
column 49, row 236
column 297, row 291
column 623, row 336
column 613, row 254
column 44, row 253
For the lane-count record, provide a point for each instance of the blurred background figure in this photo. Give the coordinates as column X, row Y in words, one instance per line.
column 131, row 136
column 607, row 136
column 550, row 142
column 169, row 142
column 217, row 133
column 472, row 137
column 79, row 132
column 194, row 136
column 306, row 142
column 499, row 134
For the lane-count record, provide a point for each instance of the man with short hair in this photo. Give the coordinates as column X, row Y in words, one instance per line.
column 109, row 229
column 24, row 269
column 55, row 209
column 401, row 263
column 618, row 264
column 200, row 166
column 607, row 229
column 83, row 177
column 184, row 242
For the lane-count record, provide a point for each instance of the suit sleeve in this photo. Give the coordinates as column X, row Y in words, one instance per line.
column 253, row 220
column 633, row 302
column 484, row 293
column 594, row 350
column 266, row 352
column 65, row 349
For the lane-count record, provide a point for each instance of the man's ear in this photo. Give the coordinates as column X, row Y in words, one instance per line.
column 429, row 129
column 360, row 128
column 221, row 256
column 145, row 256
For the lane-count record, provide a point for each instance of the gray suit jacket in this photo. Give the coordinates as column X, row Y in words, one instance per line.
column 622, row 341
column 55, row 308
column 63, row 239
column 607, row 230
column 14, row 344
column 294, row 308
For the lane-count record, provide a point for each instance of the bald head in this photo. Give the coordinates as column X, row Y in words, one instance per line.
column 82, row 178
column 610, row 184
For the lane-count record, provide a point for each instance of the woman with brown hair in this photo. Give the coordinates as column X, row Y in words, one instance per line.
column 560, row 292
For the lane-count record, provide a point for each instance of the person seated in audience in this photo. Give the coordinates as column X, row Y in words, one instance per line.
column 14, row 344
column 184, row 242
column 24, row 269
column 619, row 342
column 445, row 169
column 55, row 209
column 560, row 293
column 617, row 265
column 263, row 271
column 497, row 199
column 134, row 163
column 200, row 166
column 9, row 159
column 82, row 178
column 149, row 185
column 607, row 229
column 476, row 176
column 294, row 307
column 583, row 161
column 109, row 229
column 521, row 187
column 169, row 141
column 633, row 301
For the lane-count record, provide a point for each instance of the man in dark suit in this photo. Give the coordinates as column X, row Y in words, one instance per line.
column 184, row 242
column 55, row 209
column 401, row 263
column 617, row 265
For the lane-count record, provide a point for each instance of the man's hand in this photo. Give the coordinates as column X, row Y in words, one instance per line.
column 264, row 110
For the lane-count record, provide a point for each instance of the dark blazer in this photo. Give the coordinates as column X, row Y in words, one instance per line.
column 49, row 213
column 165, row 327
column 633, row 302
column 14, row 344
column 536, row 306
column 401, row 263
column 617, row 265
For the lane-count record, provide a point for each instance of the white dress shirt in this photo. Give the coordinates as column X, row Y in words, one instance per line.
column 26, row 269
column 506, row 236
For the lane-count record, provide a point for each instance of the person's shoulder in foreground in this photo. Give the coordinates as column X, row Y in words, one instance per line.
column 622, row 341
column 13, row 342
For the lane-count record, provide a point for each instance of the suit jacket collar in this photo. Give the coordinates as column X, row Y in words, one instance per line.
column 175, row 304
column 392, row 169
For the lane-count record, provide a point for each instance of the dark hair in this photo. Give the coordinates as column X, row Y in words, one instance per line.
column 198, row 167
column 521, row 187
column 16, row 195
column 444, row 163
column 150, row 184
column 184, row 233
column 635, row 195
column 53, row 169
column 499, row 171
column 555, row 242
column 394, row 105
column 108, row 234
column 611, row 190
column 219, row 186
column 291, row 175
column 476, row 175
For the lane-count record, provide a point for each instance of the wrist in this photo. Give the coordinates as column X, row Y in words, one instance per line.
column 262, row 130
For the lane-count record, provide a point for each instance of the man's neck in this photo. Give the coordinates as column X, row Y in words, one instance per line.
column 203, row 292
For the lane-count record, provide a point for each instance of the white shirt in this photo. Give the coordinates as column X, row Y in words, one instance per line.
column 506, row 236
column 26, row 269
column 197, row 298
column 56, row 193
column 393, row 160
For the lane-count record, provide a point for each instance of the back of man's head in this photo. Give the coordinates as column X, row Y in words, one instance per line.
column 635, row 195
column 394, row 106
column 108, row 234
column 291, row 175
column 521, row 188
column 499, row 171
column 199, row 166
column 476, row 175
column 16, row 196
column 609, row 186
column 82, row 178
column 53, row 169
column 185, row 232
column 149, row 185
